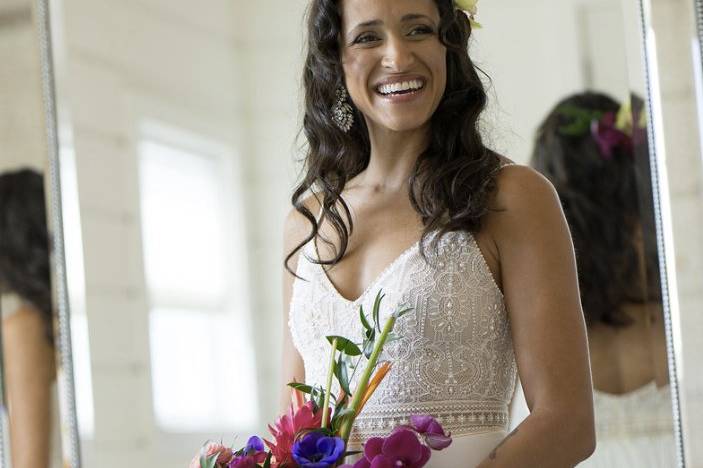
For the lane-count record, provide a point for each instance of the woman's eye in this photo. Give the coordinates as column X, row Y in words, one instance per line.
column 421, row 30
column 364, row 38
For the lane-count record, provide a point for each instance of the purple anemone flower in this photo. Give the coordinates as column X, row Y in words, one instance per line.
column 432, row 431
column 254, row 445
column 316, row 450
column 253, row 454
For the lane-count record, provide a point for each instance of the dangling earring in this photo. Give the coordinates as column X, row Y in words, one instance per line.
column 342, row 112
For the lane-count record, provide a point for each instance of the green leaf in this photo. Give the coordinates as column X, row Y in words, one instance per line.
column 209, row 462
column 318, row 396
column 267, row 462
column 300, row 386
column 339, row 417
column 400, row 313
column 344, row 345
column 376, row 309
column 364, row 321
column 340, row 371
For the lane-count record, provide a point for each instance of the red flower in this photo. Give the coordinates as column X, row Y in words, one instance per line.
column 287, row 429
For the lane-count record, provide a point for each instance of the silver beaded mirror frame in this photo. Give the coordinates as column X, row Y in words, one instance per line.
column 62, row 332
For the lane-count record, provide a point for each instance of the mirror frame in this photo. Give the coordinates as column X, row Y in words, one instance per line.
column 70, row 442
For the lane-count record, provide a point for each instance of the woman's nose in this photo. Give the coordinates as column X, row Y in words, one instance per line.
column 397, row 55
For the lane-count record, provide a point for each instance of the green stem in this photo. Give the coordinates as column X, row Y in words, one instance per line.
column 346, row 427
column 328, row 388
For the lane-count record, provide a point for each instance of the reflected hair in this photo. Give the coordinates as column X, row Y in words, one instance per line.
column 24, row 241
column 605, row 202
column 453, row 178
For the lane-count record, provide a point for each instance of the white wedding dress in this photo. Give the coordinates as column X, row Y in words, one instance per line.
column 454, row 359
column 634, row 429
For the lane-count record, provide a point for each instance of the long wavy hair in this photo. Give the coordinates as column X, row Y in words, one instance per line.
column 606, row 201
column 24, row 241
column 453, row 178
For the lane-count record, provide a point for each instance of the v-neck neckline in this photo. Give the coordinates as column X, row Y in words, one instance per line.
column 379, row 278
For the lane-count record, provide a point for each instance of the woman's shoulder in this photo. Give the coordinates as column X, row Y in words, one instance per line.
column 522, row 196
column 517, row 184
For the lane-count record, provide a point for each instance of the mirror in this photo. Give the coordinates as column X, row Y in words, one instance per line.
column 594, row 80
column 31, row 360
column 177, row 141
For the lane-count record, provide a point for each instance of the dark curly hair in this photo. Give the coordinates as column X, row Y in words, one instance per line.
column 24, row 241
column 454, row 177
column 607, row 203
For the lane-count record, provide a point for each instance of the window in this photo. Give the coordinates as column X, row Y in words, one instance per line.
column 202, row 358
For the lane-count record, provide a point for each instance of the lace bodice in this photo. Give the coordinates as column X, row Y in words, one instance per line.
column 454, row 359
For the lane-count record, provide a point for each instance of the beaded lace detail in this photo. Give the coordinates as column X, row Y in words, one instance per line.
column 454, row 359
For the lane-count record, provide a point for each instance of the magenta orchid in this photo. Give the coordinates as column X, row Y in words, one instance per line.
column 431, row 431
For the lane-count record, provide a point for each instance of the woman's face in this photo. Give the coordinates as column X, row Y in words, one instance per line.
column 394, row 64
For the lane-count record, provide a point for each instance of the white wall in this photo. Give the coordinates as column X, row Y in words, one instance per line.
column 540, row 52
column 22, row 117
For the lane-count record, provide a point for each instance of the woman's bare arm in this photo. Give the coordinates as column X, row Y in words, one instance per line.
column 538, row 272
column 295, row 229
column 30, row 372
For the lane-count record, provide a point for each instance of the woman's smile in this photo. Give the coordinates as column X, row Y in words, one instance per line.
column 401, row 89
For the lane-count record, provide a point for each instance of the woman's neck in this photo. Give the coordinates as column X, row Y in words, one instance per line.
column 393, row 156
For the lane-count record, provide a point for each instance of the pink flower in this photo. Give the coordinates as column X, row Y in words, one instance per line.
column 287, row 429
column 225, row 454
column 401, row 448
column 432, row 431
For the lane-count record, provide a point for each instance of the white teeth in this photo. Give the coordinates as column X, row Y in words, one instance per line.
column 399, row 87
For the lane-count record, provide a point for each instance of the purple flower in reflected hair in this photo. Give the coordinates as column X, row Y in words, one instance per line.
column 607, row 136
column 432, row 432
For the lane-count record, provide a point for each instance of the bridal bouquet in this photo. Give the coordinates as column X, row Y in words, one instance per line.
column 315, row 431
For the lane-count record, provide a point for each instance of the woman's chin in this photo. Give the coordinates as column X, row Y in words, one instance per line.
column 403, row 124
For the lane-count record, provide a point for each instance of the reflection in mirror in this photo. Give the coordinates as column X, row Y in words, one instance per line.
column 32, row 432
column 593, row 149
column 592, row 146
column 175, row 137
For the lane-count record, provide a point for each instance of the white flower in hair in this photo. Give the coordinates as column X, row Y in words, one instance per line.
column 470, row 8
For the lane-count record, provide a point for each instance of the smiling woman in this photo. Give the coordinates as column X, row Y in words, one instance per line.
column 497, row 289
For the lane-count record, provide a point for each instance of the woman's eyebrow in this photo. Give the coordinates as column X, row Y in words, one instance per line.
column 366, row 24
column 378, row 22
column 414, row 16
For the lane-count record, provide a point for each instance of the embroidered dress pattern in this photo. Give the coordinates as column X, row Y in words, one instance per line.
column 454, row 358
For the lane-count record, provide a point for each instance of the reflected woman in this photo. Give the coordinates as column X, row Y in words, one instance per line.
column 28, row 351
column 591, row 150
column 400, row 194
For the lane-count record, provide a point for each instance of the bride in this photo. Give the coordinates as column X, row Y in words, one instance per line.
column 399, row 194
